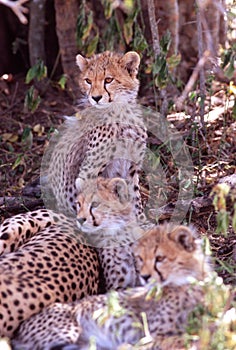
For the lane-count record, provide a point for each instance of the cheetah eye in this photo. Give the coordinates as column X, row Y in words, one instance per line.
column 88, row 81
column 159, row 258
column 108, row 80
column 94, row 205
column 139, row 260
column 78, row 205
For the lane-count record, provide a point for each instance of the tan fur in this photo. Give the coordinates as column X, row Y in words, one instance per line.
column 43, row 261
column 170, row 256
column 105, row 215
column 103, row 204
column 173, row 251
column 108, row 77
column 110, row 142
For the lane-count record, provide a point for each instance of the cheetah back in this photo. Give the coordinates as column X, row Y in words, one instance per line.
column 166, row 312
column 50, row 266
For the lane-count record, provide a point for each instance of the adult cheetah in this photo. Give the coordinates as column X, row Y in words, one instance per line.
column 168, row 254
column 43, row 260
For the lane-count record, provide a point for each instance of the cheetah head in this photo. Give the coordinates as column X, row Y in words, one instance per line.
column 108, row 77
column 103, row 204
column 170, row 255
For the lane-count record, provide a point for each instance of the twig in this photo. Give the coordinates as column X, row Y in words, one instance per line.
column 228, row 303
column 8, row 109
column 164, row 105
column 166, row 211
column 153, row 27
column 172, row 8
column 202, row 80
column 14, row 93
column 15, row 205
column 157, row 50
column 188, row 87
column 18, row 8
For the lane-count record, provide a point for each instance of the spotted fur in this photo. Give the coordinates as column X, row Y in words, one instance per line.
column 112, row 319
column 43, row 261
column 109, row 137
column 46, row 259
column 106, row 216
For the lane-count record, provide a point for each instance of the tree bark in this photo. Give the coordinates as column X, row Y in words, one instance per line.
column 36, row 31
column 167, row 17
column 153, row 27
column 66, row 19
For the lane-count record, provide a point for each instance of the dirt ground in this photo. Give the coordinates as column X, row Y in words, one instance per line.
column 24, row 137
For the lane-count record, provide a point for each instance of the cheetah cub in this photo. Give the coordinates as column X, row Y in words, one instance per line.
column 106, row 217
column 109, row 137
column 108, row 77
column 171, row 256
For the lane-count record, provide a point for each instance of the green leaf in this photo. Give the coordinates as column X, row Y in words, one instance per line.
column 226, row 57
column 88, row 26
column 80, row 25
column 62, row 81
column 165, row 42
column 206, row 246
column 27, row 137
column 222, row 222
column 173, row 61
column 92, row 45
column 17, row 161
column 31, row 74
column 139, row 42
column 85, row 25
column 229, row 72
column 128, row 31
column 234, row 218
column 192, row 95
column 32, row 99
column 38, row 71
column 107, row 4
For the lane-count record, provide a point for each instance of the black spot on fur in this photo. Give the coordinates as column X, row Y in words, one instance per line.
column 5, row 236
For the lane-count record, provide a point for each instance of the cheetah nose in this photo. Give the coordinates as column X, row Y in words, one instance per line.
column 97, row 98
column 146, row 277
column 81, row 221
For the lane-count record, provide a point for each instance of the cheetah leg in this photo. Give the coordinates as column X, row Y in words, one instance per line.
column 111, row 260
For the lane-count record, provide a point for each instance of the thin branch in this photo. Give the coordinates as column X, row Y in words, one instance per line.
column 153, row 27
column 16, row 205
column 202, row 79
column 192, row 80
column 156, row 49
column 18, row 8
column 172, row 8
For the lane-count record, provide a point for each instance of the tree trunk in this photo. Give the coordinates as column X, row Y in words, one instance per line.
column 66, row 19
column 36, row 31
column 167, row 17
column 179, row 17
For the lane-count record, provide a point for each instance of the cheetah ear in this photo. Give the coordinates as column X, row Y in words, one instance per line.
column 81, row 62
column 119, row 187
column 79, row 183
column 131, row 61
column 184, row 237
